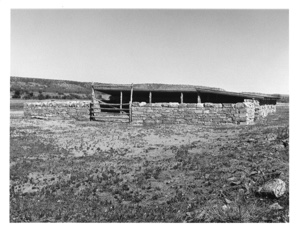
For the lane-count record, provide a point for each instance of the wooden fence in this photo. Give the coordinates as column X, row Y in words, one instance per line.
column 107, row 112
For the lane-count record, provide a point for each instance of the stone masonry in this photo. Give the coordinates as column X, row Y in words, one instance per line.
column 159, row 113
column 261, row 111
column 199, row 114
column 78, row 110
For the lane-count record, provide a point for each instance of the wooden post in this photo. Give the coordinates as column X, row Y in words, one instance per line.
column 198, row 98
column 93, row 100
column 150, row 97
column 182, row 97
column 131, row 101
column 121, row 100
column 92, row 93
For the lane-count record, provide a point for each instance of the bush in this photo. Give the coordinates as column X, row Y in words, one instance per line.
column 17, row 94
column 28, row 95
column 40, row 96
column 75, row 96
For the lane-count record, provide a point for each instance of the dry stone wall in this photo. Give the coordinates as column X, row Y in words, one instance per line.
column 160, row 113
column 261, row 111
column 264, row 110
column 199, row 114
column 78, row 110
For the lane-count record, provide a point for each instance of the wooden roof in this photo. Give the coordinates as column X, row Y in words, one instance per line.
column 239, row 94
column 154, row 87
column 146, row 87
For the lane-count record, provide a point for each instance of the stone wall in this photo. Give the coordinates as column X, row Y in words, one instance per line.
column 78, row 110
column 199, row 114
column 160, row 113
column 264, row 110
column 261, row 110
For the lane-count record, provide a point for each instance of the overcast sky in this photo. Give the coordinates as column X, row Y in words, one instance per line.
column 237, row 50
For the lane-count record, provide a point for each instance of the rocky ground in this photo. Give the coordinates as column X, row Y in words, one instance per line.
column 70, row 171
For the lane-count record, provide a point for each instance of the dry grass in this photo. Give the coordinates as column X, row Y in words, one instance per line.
column 68, row 171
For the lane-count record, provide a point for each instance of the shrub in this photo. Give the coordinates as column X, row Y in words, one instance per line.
column 40, row 96
column 17, row 94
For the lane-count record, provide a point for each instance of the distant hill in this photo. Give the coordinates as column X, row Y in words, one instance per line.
column 49, row 85
column 37, row 88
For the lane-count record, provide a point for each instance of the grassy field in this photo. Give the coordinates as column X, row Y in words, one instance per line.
column 69, row 171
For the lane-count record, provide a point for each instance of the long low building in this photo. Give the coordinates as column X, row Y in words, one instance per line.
column 158, row 93
column 151, row 104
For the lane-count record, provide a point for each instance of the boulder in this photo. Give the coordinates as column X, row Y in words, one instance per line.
column 173, row 104
column 275, row 187
column 208, row 104
column 240, row 105
column 276, row 206
column 199, row 105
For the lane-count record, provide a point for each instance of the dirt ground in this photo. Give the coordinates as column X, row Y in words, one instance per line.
column 71, row 171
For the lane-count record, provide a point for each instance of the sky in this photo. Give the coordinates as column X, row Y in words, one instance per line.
column 237, row 50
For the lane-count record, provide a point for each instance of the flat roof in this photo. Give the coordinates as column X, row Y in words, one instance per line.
column 175, row 88
column 146, row 87
column 239, row 94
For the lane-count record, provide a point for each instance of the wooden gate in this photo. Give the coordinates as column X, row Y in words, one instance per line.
column 107, row 112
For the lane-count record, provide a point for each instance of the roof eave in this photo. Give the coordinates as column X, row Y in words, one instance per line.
column 237, row 94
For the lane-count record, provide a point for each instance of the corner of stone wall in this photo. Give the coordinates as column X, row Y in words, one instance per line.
column 261, row 111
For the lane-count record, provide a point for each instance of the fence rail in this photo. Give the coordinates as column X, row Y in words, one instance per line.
column 104, row 103
column 113, row 117
column 116, row 110
column 112, row 120
column 116, row 114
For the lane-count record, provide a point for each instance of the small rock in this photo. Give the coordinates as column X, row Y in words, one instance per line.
column 225, row 207
column 235, row 182
column 248, row 187
column 201, row 215
column 227, row 201
column 253, row 173
column 276, row 206
column 250, row 140
column 271, row 137
column 173, row 104
column 188, row 214
column 275, row 187
column 232, row 179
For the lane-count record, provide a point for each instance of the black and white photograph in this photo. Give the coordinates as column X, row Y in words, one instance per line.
column 146, row 115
